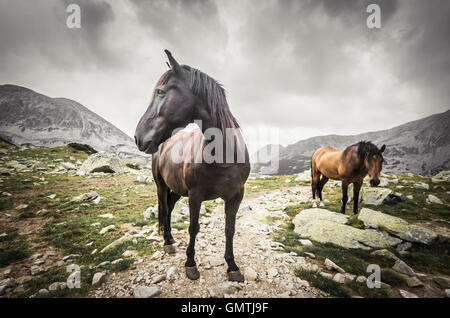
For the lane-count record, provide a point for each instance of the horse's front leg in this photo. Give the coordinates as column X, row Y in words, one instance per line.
column 356, row 188
column 194, row 211
column 231, row 209
column 169, row 242
column 344, row 196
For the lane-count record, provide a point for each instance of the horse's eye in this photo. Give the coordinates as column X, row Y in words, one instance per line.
column 160, row 91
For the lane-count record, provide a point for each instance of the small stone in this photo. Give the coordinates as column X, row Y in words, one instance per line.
column 343, row 278
column 158, row 279
column 129, row 253
column 106, row 216
column 21, row 206
column 326, row 275
column 442, row 281
column 107, row 229
column 433, row 199
column 310, row 255
column 305, row 242
column 447, row 293
column 271, row 273
column 223, row 289
column 36, row 269
column 172, row 273
column 332, row 266
column 407, row 294
column 146, row 291
column 117, row 261
column 361, row 279
column 98, row 279
column 57, row 286
column 43, row 291
column 250, row 274
column 403, row 268
column 414, row 282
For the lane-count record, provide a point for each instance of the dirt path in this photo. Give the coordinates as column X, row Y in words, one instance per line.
column 269, row 272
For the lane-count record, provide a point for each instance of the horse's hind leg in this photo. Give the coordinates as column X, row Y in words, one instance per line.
column 231, row 209
column 322, row 183
column 172, row 198
column 194, row 211
column 315, row 179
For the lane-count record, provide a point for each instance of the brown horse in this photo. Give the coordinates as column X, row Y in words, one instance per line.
column 350, row 166
column 181, row 96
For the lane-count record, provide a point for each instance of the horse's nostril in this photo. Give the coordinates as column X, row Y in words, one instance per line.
column 135, row 140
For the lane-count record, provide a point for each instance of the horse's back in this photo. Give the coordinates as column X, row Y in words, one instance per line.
column 326, row 160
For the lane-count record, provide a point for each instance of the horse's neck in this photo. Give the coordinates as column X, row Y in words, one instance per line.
column 232, row 140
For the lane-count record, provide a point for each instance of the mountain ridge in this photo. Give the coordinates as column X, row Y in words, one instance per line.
column 29, row 118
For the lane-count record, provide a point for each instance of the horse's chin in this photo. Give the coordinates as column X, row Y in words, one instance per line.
column 151, row 149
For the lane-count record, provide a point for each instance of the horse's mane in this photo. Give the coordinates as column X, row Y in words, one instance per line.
column 362, row 147
column 211, row 92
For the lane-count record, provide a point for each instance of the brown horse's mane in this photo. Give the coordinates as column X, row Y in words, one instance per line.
column 211, row 92
column 363, row 146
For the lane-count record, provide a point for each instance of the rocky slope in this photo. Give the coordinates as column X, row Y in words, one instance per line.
column 31, row 119
column 420, row 147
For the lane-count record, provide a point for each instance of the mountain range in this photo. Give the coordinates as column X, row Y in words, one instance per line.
column 420, row 147
column 32, row 119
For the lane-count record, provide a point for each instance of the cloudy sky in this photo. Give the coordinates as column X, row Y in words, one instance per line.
column 304, row 67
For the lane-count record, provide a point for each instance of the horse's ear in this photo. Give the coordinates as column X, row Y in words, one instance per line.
column 174, row 64
column 383, row 148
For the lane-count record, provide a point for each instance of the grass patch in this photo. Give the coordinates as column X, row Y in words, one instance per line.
column 361, row 289
column 429, row 258
column 325, row 284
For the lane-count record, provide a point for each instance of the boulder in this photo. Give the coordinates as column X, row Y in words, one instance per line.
column 443, row 282
column 329, row 227
column 101, row 162
column 401, row 267
column 441, row 177
column 374, row 195
column 397, row 226
column 385, row 253
column 304, row 176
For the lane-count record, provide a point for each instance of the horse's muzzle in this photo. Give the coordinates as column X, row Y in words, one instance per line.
column 146, row 146
column 374, row 183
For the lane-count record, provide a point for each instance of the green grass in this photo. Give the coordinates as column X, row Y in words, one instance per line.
column 325, row 284
column 13, row 248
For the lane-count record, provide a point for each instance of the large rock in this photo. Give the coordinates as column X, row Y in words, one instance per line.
column 329, row 227
column 441, row 176
column 304, row 176
column 101, row 162
column 397, row 226
column 374, row 195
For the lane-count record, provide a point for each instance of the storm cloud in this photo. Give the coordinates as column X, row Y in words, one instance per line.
column 304, row 67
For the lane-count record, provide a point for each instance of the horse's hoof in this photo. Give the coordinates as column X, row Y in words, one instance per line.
column 192, row 273
column 169, row 249
column 235, row 276
column 321, row 204
column 314, row 205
